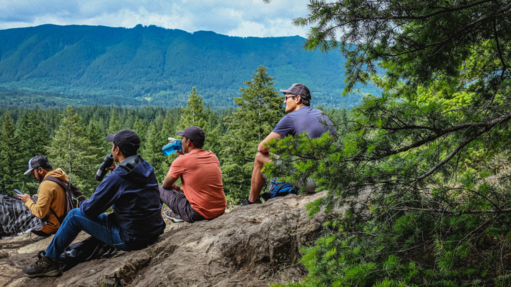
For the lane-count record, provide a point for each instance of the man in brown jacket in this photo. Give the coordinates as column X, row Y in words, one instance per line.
column 51, row 198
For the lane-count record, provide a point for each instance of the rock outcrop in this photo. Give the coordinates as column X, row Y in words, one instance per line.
column 249, row 246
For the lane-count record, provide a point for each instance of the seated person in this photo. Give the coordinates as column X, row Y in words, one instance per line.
column 202, row 195
column 51, row 197
column 131, row 189
column 300, row 117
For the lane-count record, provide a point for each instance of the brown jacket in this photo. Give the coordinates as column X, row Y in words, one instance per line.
column 50, row 195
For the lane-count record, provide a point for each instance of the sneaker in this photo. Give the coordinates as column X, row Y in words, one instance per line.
column 172, row 216
column 43, row 267
column 247, row 202
column 35, row 238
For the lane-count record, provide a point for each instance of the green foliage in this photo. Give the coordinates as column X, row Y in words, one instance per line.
column 260, row 107
column 424, row 152
column 72, row 151
column 10, row 165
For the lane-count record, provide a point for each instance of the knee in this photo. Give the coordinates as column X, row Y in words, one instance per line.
column 73, row 214
column 261, row 159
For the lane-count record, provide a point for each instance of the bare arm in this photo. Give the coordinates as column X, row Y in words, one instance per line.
column 168, row 183
column 261, row 148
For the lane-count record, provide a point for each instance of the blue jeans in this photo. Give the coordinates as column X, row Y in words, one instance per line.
column 75, row 222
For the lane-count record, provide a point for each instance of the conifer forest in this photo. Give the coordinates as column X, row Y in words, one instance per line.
column 432, row 145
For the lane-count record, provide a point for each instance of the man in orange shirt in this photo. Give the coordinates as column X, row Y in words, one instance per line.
column 51, row 197
column 202, row 194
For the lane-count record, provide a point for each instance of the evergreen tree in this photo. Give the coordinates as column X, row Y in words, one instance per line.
column 141, row 130
column 260, row 107
column 11, row 170
column 94, row 134
column 72, row 151
column 194, row 113
column 152, row 149
column 33, row 135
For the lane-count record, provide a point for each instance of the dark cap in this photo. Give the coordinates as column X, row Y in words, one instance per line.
column 299, row 90
column 195, row 134
column 37, row 162
column 125, row 139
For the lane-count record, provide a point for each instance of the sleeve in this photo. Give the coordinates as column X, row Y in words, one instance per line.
column 42, row 207
column 177, row 168
column 285, row 126
column 103, row 198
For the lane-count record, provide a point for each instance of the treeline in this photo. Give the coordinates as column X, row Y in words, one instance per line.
column 74, row 138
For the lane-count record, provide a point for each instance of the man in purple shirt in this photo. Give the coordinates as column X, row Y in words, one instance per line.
column 300, row 117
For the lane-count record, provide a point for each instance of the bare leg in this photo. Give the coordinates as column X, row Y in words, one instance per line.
column 258, row 181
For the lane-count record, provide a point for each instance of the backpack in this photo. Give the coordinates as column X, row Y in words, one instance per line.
column 279, row 188
column 73, row 196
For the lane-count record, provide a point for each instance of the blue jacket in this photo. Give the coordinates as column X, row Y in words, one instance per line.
column 132, row 191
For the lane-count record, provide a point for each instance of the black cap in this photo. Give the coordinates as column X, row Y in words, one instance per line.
column 195, row 134
column 125, row 139
column 37, row 162
column 299, row 90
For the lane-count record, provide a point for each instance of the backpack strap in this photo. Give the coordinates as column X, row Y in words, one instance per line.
column 64, row 186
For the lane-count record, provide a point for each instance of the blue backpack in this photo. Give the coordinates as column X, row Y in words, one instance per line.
column 279, row 188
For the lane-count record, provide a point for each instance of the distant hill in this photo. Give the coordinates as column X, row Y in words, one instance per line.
column 156, row 66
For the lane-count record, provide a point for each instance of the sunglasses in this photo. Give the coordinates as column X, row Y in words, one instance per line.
column 289, row 97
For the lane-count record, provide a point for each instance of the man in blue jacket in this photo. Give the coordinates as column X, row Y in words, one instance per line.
column 131, row 190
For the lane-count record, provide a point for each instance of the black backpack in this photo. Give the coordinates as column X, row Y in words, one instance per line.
column 73, row 196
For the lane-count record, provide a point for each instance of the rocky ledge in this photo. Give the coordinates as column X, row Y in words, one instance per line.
column 249, row 246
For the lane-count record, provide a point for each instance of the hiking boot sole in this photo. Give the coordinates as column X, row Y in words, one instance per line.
column 53, row 273
column 173, row 219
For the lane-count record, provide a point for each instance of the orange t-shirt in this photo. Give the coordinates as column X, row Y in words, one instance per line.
column 202, row 181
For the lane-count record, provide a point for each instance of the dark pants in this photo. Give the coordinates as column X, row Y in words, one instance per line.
column 179, row 204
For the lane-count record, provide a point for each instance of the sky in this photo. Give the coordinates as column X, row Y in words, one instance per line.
column 229, row 17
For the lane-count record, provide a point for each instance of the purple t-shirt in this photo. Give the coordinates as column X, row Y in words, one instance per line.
column 313, row 121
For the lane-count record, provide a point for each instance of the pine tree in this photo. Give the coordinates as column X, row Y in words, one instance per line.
column 94, row 134
column 140, row 128
column 33, row 135
column 72, row 151
column 10, row 168
column 194, row 113
column 259, row 110
column 152, row 148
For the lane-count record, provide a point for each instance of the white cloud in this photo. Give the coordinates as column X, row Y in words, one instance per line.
column 230, row 17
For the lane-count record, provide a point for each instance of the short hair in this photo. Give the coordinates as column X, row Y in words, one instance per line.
column 47, row 167
column 197, row 143
column 306, row 102
column 127, row 152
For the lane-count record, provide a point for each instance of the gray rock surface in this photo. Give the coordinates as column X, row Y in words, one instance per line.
column 249, row 246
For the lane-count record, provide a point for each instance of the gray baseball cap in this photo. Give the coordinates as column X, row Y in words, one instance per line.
column 299, row 90
column 37, row 162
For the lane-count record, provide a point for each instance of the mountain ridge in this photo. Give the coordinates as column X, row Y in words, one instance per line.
column 150, row 65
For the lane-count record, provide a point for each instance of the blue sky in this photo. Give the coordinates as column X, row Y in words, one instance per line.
column 230, row 17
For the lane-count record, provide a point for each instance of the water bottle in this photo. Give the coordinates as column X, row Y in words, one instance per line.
column 171, row 147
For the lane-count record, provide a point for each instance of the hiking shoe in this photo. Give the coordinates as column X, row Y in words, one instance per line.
column 172, row 216
column 35, row 238
column 247, row 202
column 43, row 267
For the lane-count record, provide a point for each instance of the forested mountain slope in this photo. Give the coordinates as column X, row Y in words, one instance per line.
column 157, row 66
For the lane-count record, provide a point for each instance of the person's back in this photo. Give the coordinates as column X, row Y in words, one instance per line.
column 136, row 201
column 202, row 181
column 202, row 195
column 312, row 121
